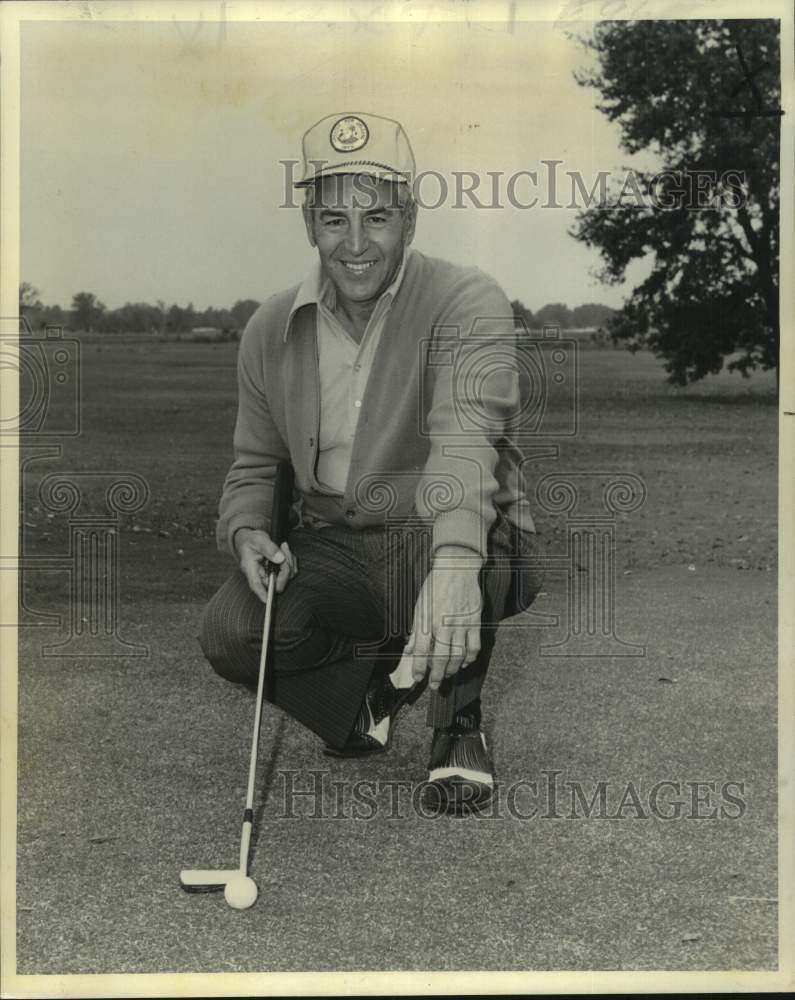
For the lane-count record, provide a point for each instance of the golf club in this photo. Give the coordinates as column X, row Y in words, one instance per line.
column 240, row 891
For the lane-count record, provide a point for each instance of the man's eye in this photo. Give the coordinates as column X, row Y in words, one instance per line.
column 378, row 220
column 332, row 223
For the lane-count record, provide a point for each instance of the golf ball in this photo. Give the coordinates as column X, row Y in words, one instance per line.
column 240, row 891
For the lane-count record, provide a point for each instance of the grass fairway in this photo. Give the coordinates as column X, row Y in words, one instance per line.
column 131, row 768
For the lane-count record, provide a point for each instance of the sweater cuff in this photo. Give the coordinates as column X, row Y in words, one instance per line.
column 461, row 527
column 227, row 529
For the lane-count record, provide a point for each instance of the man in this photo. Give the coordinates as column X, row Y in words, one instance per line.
column 388, row 380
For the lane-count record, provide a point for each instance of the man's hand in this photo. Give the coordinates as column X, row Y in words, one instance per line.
column 255, row 549
column 445, row 635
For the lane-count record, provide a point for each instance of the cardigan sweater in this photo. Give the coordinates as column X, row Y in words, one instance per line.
column 433, row 437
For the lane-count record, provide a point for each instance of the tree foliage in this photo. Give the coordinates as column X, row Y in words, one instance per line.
column 132, row 317
column 87, row 311
column 243, row 310
column 555, row 314
column 591, row 314
column 522, row 315
column 28, row 299
column 713, row 289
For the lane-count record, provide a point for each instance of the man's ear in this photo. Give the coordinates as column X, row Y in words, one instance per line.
column 309, row 224
column 410, row 222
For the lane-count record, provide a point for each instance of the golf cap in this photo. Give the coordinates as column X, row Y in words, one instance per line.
column 357, row 143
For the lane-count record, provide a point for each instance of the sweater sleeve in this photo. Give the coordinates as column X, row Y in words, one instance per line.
column 474, row 392
column 258, row 446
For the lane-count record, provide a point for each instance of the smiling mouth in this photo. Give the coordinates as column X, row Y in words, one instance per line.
column 358, row 268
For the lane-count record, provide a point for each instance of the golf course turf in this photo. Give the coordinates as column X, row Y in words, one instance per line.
column 133, row 767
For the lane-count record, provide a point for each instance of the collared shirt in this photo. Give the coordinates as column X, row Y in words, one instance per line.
column 344, row 368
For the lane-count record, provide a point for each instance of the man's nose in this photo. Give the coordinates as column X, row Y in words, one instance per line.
column 356, row 238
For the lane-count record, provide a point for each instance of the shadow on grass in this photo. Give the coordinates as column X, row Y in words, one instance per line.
column 265, row 782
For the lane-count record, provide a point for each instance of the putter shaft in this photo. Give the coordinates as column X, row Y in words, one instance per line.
column 248, row 814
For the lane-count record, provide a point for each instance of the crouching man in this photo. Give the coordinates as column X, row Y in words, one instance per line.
column 388, row 380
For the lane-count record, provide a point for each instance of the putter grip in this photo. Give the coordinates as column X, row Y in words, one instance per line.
column 282, row 502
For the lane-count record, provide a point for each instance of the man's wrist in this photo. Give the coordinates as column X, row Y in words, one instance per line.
column 239, row 536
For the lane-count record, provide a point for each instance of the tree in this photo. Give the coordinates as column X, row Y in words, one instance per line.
column 53, row 316
column 554, row 314
column 220, row 319
column 30, row 307
column 87, row 311
column 28, row 298
column 710, row 219
column 133, row 317
column 179, row 319
column 522, row 315
column 243, row 310
column 590, row 314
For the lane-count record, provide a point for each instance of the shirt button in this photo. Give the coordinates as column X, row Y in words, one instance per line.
column 350, row 513
column 357, row 368
column 358, row 403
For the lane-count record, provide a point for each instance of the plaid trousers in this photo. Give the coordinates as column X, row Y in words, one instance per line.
column 347, row 615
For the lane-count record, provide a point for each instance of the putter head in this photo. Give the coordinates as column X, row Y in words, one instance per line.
column 205, row 879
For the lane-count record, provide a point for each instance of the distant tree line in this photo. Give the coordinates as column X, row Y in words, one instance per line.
column 589, row 315
column 88, row 314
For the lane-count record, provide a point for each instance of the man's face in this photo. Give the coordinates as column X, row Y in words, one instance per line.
column 360, row 230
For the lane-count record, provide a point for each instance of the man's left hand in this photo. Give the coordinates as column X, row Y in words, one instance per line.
column 445, row 634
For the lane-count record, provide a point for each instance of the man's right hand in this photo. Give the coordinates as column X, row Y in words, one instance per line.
column 255, row 549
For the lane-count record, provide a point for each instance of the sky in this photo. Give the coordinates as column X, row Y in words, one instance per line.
column 151, row 152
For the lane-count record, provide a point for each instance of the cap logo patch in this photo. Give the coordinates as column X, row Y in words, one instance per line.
column 349, row 134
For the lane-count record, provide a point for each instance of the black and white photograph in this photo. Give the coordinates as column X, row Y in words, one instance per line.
column 397, row 494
